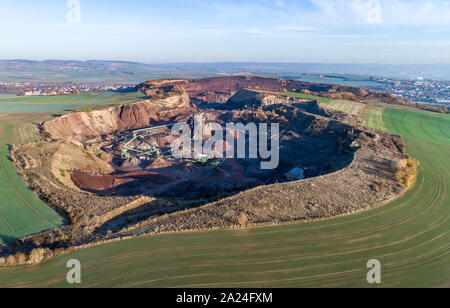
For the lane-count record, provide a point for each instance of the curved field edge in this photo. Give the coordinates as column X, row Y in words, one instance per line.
column 424, row 126
column 22, row 213
column 410, row 236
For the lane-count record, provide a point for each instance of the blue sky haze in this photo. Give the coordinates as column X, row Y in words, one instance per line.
column 334, row 31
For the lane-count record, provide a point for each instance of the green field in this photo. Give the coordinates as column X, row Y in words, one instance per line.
column 410, row 236
column 341, row 105
column 21, row 213
column 373, row 116
column 30, row 104
column 345, row 106
column 335, row 104
column 307, row 96
column 426, row 126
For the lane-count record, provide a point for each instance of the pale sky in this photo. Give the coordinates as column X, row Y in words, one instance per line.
column 333, row 31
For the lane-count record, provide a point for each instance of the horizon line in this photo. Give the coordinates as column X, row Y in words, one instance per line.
column 221, row 62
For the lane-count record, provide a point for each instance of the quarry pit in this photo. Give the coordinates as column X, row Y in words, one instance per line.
column 144, row 164
column 111, row 173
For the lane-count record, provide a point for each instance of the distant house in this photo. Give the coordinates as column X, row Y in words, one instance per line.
column 295, row 174
column 109, row 138
column 32, row 93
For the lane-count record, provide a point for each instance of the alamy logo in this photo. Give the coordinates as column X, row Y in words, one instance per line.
column 74, row 13
column 374, row 275
column 74, row 275
column 374, row 12
column 241, row 141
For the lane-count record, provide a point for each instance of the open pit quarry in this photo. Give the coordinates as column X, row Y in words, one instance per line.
column 111, row 174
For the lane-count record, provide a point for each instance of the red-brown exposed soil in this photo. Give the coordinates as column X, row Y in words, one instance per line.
column 346, row 167
column 309, row 139
column 220, row 89
column 83, row 125
column 176, row 104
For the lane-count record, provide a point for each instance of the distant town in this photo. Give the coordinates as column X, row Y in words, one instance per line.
column 53, row 89
column 420, row 90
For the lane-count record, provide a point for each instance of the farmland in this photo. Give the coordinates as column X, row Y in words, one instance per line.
column 335, row 104
column 409, row 236
column 345, row 106
column 307, row 96
column 33, row 104
column 373, row 116
column 21, row 212
column 431, row 127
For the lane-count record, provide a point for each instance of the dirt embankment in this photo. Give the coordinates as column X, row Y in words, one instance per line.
column 82, row 125
column 221, row 89
column 249, row 99
column 309, row 131
column 369, row 181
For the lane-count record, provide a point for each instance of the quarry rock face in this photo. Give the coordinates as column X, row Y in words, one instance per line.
column 224, row 87
column 80, row 169
column 245, row 99
column 80, row 125
column 221, row 89
column 168, row 99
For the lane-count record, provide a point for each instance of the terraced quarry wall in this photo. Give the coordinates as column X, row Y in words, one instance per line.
column 366, row 182
column 409, row 236
column 220, row 89
column 79, row 125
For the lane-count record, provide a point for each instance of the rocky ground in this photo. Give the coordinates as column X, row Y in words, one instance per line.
column 353, row 169
column 367, row 182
